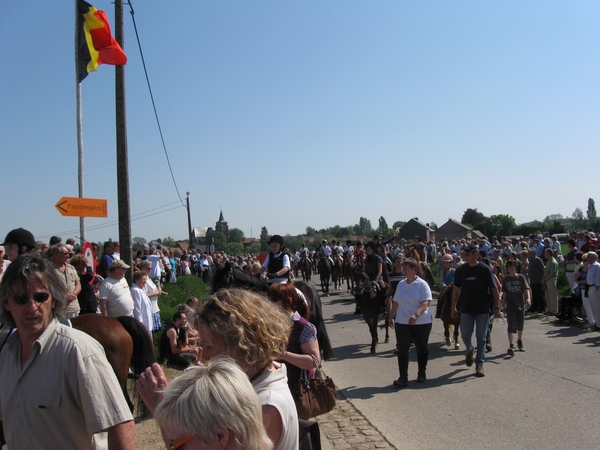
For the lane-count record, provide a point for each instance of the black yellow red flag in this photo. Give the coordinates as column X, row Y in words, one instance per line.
column 96, row 44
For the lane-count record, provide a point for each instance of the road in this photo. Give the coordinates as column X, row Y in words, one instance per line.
column 546, row 397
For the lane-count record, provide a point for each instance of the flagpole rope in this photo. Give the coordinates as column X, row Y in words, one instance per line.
column 152, row 99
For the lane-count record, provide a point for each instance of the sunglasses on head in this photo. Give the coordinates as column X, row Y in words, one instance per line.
column 38, row 297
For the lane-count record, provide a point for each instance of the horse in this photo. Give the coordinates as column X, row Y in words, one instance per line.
column 227, row 276
column 444, row 312
column 126, row 344
column 305, row 267
column 316, row 318
column 347, row 270
column 371, row 301
column 336, row 272
column 428, row 275
column 324, row 274
column 294, row 267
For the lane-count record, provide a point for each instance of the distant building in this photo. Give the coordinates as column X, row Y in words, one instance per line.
column 221, row 226
column 414, row 228
column 453, row 229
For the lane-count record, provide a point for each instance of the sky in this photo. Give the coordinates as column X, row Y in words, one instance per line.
column 293, row 114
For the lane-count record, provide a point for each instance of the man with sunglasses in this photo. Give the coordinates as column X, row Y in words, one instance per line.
column 58, row 389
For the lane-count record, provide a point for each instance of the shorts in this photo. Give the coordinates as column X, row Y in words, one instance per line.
column 156, row 325
column 516, row 320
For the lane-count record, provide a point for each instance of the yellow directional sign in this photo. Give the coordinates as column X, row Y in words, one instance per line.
column 82, row 207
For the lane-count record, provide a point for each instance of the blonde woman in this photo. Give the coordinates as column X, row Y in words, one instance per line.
column 248, row 328
column 212, row 406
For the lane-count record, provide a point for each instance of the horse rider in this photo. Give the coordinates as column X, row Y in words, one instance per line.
column 359, row 252
column 58, row 389
column 373, row 265
column 326, row 250
column 277, row 265
column 348, row 249
column 17, row 242
column 304, row 252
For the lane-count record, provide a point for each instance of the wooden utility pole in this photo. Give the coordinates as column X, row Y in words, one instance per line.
column 125, row 239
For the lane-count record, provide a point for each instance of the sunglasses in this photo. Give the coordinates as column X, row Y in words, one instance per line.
column 38, row 297
column 181, row 441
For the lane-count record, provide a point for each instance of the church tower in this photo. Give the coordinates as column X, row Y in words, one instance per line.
column 222, row 226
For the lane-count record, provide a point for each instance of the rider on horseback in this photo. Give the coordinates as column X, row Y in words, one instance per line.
column 326, row 250
column 373, row 265
column 277, row 263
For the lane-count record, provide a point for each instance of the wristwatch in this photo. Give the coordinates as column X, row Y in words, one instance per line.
column 417, row 315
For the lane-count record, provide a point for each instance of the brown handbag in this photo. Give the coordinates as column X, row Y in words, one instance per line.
column 314, row 397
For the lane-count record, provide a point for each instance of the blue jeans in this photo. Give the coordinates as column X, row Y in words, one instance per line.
column 467, row 322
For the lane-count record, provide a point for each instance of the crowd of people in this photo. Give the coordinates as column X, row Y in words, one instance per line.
column 260, row 345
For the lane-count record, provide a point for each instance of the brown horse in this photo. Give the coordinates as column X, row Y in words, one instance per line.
column 348, row 271
column 324, row 274
column 336, row 272
column 305, row 267
column 444, row 312
column 126, row 344
column 371, row 302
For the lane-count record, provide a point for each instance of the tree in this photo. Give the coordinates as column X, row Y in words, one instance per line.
column 236, row 235
column 138, row 243
column 474, row 218
column 591, row 212
column 264, row 239
column 169, row 242
column 578, row 218
column 253, row 248
column 364, row 227
column 218, row 238
column 398, row 224
column 310, row 231
column 500, row 225
column 383, row 227
column 234, row 248
column 553, row 217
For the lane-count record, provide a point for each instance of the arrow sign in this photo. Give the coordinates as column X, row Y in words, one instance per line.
column 82, row 207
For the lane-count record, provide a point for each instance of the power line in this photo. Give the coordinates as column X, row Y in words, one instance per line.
column 152, row 99
column 138, row 216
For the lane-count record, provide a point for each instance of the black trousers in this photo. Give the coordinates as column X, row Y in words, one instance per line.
column 405, row 335
column 538, row 302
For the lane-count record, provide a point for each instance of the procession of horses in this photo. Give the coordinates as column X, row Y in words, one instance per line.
column 372, row 301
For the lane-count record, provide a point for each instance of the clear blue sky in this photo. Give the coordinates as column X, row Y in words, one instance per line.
column 288, row 114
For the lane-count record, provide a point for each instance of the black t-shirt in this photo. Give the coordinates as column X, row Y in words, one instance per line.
column 476, row 284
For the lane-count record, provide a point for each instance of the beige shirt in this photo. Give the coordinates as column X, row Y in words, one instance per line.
column 66, row 392
column 70, row 278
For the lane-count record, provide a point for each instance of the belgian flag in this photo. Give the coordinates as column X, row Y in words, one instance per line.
column 95, row 42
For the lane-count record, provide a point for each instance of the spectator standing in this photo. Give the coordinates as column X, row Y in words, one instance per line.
column 515, row 298
column 156, row 271
column 536, row 274
column 88, row 302
column 115, row 297
column 106, row 259
column 412, row 321
column 58, row 389
column 142, row 308
column 59, row 254
column 593, row 282
column 550, row 278
column 474, row 298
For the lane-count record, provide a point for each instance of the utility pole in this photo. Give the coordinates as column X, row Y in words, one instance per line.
column 125, row 240
column 190, row 231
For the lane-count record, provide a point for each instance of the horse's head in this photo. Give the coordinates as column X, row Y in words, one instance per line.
column 223, row 277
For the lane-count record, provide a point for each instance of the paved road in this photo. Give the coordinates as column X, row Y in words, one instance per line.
column 546, row 397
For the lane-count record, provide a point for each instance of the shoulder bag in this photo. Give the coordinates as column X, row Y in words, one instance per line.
column 314, row 397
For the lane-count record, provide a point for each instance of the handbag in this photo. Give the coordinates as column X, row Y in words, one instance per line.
column 314, row 397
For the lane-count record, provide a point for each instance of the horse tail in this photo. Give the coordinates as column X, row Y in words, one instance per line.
column 143, row 348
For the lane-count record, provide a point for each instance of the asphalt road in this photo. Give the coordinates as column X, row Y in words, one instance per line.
column 546, row 397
